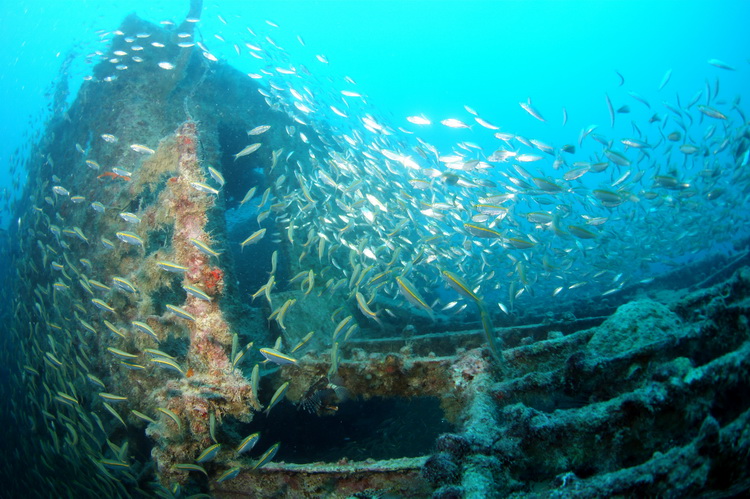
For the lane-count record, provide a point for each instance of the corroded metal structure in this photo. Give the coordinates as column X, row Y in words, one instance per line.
column 648, row 400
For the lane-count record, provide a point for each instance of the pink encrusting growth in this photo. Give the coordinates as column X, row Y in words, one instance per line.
column 211, row 386
column 209, row 333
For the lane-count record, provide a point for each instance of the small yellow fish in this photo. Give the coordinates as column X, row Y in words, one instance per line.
column 247, row 150
column 254, row 238
column 277, row 397
column 259, row 130
column 273, row 355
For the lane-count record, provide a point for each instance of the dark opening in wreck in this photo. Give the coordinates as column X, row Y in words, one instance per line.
column 376, row 429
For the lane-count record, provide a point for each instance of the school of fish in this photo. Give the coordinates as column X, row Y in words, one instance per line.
column 379, row 216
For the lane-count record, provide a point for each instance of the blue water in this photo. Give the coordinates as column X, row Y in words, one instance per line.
column 424, row 57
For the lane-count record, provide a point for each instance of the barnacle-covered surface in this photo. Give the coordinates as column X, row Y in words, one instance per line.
column 651, row 401
column 654, row 401
column 176, row 129
column 131, row 378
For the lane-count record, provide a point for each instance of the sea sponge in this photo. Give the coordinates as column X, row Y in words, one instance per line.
column 449, row 492
column 441, row 469
column 455, row 445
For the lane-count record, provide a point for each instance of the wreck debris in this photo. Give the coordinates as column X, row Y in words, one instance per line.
column 586, row 406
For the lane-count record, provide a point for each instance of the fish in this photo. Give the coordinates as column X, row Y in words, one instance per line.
column 157, row 353
column 121, row 173
column 171, row 415
column 96, row 381
column 197, row 292
column 116, row 414
column 112, row 464
column 259, row 130
column 276, row 398
column 171, row 266
column 208, row 454
column 276, row 357
column 247, row 150
column 130, row 218
column 203, row 247
column 267, row 456
column 124, row 285
column 180, row 312
column 191, row 467
column 217, row 176
column 419, row 120
column 130, row 238
column 121, row 354
column 67, row 399
column 229, row 474
column 203, row 187
column 98, row 207
column 459, row 285
column 110, row 397
column 303, row 341
column 581, row 232
column 489, row 331
column 482, row 232
column 343, row 323
column 721, row 64
column 711, row 112
column 640, row 99
column 139, row 148
column 255, row 381
column 454, row 123
column 576, row 173
column 486, row 124
column 611, row 111
column 324, row 396
column 688, row 148
column 247, row 443
column 526, row 106
column 281, row 312
column 674, row 136
column 102, row 305
column 616, row 157
column 636, row 143
column 169, row 364
column 248, row 196
column 365, row 309
column 107, row 243
column 254, row 238
column 665, row 79
column 608, row 198
column 411, row 295
column 142, row 416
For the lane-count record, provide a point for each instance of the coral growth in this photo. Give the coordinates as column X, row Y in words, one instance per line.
column 211, row 386
column 457, row 446
column 441, row 469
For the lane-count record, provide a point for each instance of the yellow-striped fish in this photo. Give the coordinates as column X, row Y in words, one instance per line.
column 273, row 355
column 277, row 397
column 412, row 295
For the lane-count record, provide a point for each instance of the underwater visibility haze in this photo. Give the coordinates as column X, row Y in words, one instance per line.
column 375, row 249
